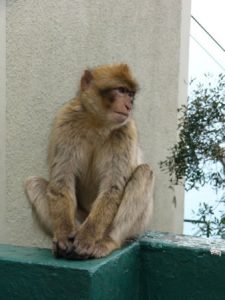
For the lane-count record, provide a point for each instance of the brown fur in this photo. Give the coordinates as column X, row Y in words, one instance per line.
column 97, row 195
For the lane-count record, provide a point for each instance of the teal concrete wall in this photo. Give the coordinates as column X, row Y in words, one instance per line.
column 32, row 273
column 182, row 268
column 159, row 266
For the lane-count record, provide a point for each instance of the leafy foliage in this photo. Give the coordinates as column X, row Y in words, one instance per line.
column 198, row 158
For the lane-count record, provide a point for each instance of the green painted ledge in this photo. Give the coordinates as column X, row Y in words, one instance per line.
column 158, row 266
column 31, row 273
column 182, row 267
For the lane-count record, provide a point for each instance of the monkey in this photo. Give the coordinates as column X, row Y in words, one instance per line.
column 99, row 193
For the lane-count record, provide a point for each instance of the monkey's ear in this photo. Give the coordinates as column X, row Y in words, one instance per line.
column 86, row 80
column 125, row 68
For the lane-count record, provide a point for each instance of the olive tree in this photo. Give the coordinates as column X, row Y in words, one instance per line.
column 198, row 158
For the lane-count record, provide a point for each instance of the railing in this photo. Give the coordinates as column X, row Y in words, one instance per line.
column 207, row 224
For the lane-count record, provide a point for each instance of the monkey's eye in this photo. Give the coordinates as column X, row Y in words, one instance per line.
column 122, row 90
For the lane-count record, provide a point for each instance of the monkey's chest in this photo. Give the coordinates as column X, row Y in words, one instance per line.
column 87, row 178
column 87, row 190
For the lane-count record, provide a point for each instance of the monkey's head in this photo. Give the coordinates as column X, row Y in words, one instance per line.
column 108, row 92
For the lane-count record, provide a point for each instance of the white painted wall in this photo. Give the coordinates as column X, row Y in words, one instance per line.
column 2, row 114
column 48, row 45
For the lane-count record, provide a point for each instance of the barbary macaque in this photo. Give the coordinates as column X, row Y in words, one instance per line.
column 99, row 194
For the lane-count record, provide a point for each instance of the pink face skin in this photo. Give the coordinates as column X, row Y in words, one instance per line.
column 122, row 104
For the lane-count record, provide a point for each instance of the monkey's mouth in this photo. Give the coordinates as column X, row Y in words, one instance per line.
column 121, row 116
column 121, row 113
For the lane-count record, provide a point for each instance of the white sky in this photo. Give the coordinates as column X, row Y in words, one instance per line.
column 210, row 13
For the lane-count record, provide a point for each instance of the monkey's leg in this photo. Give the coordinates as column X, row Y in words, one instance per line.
column 36, row 188
column 134, row 214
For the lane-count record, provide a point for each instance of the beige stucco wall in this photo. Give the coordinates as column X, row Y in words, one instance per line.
column 48, row 45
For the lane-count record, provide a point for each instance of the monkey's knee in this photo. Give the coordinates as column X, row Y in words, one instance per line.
column 143, row 177
column 56, row 190
column 144, row 170
column 35, row 187
column 135, row 212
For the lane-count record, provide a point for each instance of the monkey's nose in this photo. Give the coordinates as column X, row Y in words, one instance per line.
column 128, row 105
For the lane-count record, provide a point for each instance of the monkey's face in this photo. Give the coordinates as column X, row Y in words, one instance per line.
column 109, row 93
column 118, row 104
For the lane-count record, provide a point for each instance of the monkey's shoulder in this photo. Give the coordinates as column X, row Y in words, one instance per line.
column 68, row 111
column 70, row 119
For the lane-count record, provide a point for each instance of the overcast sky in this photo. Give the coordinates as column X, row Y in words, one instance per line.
column 205, row 55
column 211, row 14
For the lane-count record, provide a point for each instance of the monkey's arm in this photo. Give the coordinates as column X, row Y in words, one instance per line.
column 61, row 190
column 101, row 216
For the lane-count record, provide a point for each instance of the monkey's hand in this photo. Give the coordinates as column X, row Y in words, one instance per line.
column 89, row 248
column 85, row 241
column 62, row 246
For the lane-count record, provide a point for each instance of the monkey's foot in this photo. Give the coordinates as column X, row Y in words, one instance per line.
column 104, row 247
column 84, row 247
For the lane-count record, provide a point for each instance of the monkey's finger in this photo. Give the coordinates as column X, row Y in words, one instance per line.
column 84, row 250
column 62, row 246
column 72, row 236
